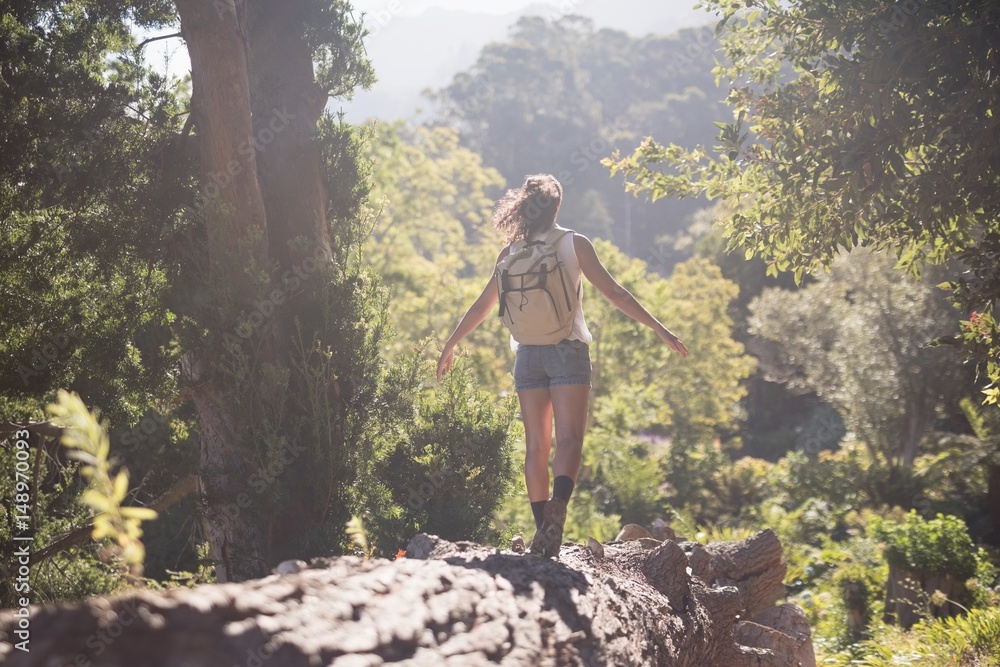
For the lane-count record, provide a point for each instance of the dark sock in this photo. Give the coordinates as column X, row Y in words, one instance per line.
column 562, row 487
column 537, row 508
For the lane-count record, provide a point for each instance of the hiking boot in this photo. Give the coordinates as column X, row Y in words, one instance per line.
column 517, row 544
column 548, row 539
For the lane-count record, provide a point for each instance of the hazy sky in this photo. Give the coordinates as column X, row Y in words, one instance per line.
column 417, row 6
column 377, row 10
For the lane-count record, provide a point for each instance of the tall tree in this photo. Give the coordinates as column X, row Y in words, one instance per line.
column 857, row 337
column 257, row 103
column 255, row 281
column 883, row 134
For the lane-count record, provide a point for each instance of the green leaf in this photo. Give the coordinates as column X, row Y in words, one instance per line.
column 121, row 486
column 97, row 500
column 138, row 513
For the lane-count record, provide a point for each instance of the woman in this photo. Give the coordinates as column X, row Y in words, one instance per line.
column 551, row 380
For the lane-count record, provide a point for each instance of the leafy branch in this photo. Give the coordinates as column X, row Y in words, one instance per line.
column 88, row 441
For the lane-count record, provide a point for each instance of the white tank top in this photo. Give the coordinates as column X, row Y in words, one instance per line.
column 566, row 252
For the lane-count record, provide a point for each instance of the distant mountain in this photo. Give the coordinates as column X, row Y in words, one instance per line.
column 414, row 53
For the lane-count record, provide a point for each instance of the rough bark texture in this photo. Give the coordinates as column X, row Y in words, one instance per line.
column 907, row 592
column 993, row 501
column 233, row 211
column 233, row 205
column 454, row 604
column 287, row 104
column 236, row 544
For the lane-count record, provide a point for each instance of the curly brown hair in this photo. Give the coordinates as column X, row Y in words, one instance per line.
column 529, row 208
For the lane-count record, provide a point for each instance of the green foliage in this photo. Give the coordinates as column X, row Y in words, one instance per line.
column 857, row 337
column 358, row 534
column 853, row 148
column 335, row 37
column 638, row 383
column 54, row 511
column 846, row 476
column 956, row 641
column 433, row 240
column 941, row 545
column 88, row 177
column 450, row 468
column 105, row 494
column 625, row 476
column 557, row 96
column 586, row 518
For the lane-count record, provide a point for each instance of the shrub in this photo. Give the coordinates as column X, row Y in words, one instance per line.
column 451, row 468
column 941, row 545
column 971, row 640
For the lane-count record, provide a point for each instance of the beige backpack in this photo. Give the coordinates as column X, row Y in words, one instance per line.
column 537, row 299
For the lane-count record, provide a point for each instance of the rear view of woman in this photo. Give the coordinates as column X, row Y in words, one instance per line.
column 552, row 380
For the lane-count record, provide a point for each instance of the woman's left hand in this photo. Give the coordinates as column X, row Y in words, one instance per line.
column 445, row 360
column 673, row 342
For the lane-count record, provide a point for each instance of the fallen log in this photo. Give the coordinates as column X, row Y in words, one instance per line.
column 639, row 602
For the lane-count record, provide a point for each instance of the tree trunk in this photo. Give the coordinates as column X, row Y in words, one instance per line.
column 624, row 604
column 993, row 501
column 907, row 593
column 287, row 104
column 231, row 204
column 232, row 209
column 916, row 427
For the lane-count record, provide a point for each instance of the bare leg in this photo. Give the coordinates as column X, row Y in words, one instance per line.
column 570, row 404
column 536, row 412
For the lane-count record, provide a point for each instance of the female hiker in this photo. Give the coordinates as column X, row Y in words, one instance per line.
column 551, row 379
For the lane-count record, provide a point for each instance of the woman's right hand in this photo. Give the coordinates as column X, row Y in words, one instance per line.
column 673, row 342
column 445, row 360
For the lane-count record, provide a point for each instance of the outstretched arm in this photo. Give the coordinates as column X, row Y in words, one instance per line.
column 473, row 317
column 622, row 299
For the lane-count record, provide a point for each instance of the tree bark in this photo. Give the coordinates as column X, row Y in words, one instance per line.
column 916, row 428
column 907, row 593
column 286, row 104
column 993, row 501
column 232, row 204
column 628, row 603
column 232, row 208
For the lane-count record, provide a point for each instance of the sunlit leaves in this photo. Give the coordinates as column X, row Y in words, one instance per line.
column 858, row 337
column 106, row 493
column 877, row 137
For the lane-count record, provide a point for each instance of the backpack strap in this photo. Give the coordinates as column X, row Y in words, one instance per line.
column 555, row 234
column 504, row 287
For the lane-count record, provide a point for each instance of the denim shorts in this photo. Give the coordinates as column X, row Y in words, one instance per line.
column 543, row 366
